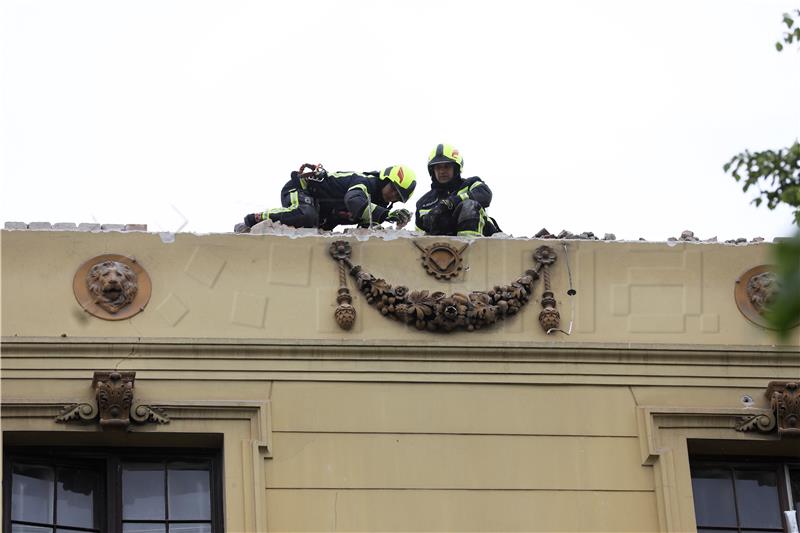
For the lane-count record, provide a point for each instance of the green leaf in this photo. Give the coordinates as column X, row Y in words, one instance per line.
column 785, row 312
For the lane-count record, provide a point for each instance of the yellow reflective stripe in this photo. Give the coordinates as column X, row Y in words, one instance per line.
column 295, row 202
column 481, row 223
column 366, row 216
column 347, row 174
column 360, row 186
column 464, row 193
column 422, row 213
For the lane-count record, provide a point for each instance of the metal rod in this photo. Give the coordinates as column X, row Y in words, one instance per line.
column 571, row 292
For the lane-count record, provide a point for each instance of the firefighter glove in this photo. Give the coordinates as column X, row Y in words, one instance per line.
column 401, row 217
column 447, row 204
column 252, row 219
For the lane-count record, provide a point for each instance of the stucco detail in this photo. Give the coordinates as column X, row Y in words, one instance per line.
column 437, row 311
column 114, row 404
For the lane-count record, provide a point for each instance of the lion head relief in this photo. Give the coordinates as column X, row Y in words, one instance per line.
column 762, row 290
column 112, row 284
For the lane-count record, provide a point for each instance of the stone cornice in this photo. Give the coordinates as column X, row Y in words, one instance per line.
column 453, row 351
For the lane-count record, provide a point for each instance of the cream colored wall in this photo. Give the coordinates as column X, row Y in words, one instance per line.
column 387, row 428
column 282, row 289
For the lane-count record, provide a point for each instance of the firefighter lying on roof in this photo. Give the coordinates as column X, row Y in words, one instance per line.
column 317, row 199
column 454, row 205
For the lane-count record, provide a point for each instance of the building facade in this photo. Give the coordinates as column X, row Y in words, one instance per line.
column 207, row 382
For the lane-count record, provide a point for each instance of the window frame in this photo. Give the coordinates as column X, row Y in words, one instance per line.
column 108, row 461
column 781, row 465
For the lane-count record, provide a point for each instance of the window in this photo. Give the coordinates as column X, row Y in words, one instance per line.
column 126, row 491
column 745, row 496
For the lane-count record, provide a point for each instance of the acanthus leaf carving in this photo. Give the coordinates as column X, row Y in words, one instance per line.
column 785, row 401
column 114, row 391
column 784, row 413
column 75, row 411
column 763, row 422
column 149, row 413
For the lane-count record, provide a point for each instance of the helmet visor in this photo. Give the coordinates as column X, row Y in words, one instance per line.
column 405, row 193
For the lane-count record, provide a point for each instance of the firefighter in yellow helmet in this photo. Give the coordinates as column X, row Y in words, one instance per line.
column 455, row 205
column 318, row 199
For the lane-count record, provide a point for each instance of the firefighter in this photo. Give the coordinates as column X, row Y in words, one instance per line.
column 318, row 199
column 454, row 205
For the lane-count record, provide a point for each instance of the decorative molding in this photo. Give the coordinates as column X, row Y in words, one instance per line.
column 784, row 399
column 112, row 287
column 663, row 436
column 114, row 399
column 436, row 311
column 179, row 348
column 345, row 313
column 784, row 413
column 549, row 318
column 442, row 260
column 34, row 415
column 754, row 293
column 763, row 422
column 75, row 411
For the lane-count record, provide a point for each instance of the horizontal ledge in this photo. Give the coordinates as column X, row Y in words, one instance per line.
column 453, row 434
column 394, row 346
column 456, row 489
column 722, row 382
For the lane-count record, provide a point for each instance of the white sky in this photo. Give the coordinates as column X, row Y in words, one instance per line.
column 580, row 115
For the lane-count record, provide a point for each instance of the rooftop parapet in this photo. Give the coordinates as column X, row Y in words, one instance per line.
column 286, row 289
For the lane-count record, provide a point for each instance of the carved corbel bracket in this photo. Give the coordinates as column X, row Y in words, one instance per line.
column 785, row 401
column 114, row 403
column 784, row 397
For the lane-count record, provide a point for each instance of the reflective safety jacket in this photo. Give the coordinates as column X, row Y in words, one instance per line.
column 457, row 189
column 347, row 198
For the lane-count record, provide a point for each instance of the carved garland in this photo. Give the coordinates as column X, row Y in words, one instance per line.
column 436, row 311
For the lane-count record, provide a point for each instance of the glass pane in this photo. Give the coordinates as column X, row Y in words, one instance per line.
column 189, row 491
column 190, row 528
column 143, row 491
column 757, row 498
column 76, row 493
column 143, row 528
column 794, row 479
column 701, row 530
column 32, row 493
column 713, row 497
column 19, row 528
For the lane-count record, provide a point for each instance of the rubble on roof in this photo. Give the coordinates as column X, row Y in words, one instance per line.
column 71, row 226
column 269, row 227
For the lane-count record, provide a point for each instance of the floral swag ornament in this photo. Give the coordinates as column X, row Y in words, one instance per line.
column 437, row 311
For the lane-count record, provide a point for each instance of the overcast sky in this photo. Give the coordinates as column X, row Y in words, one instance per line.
column 582, row 115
